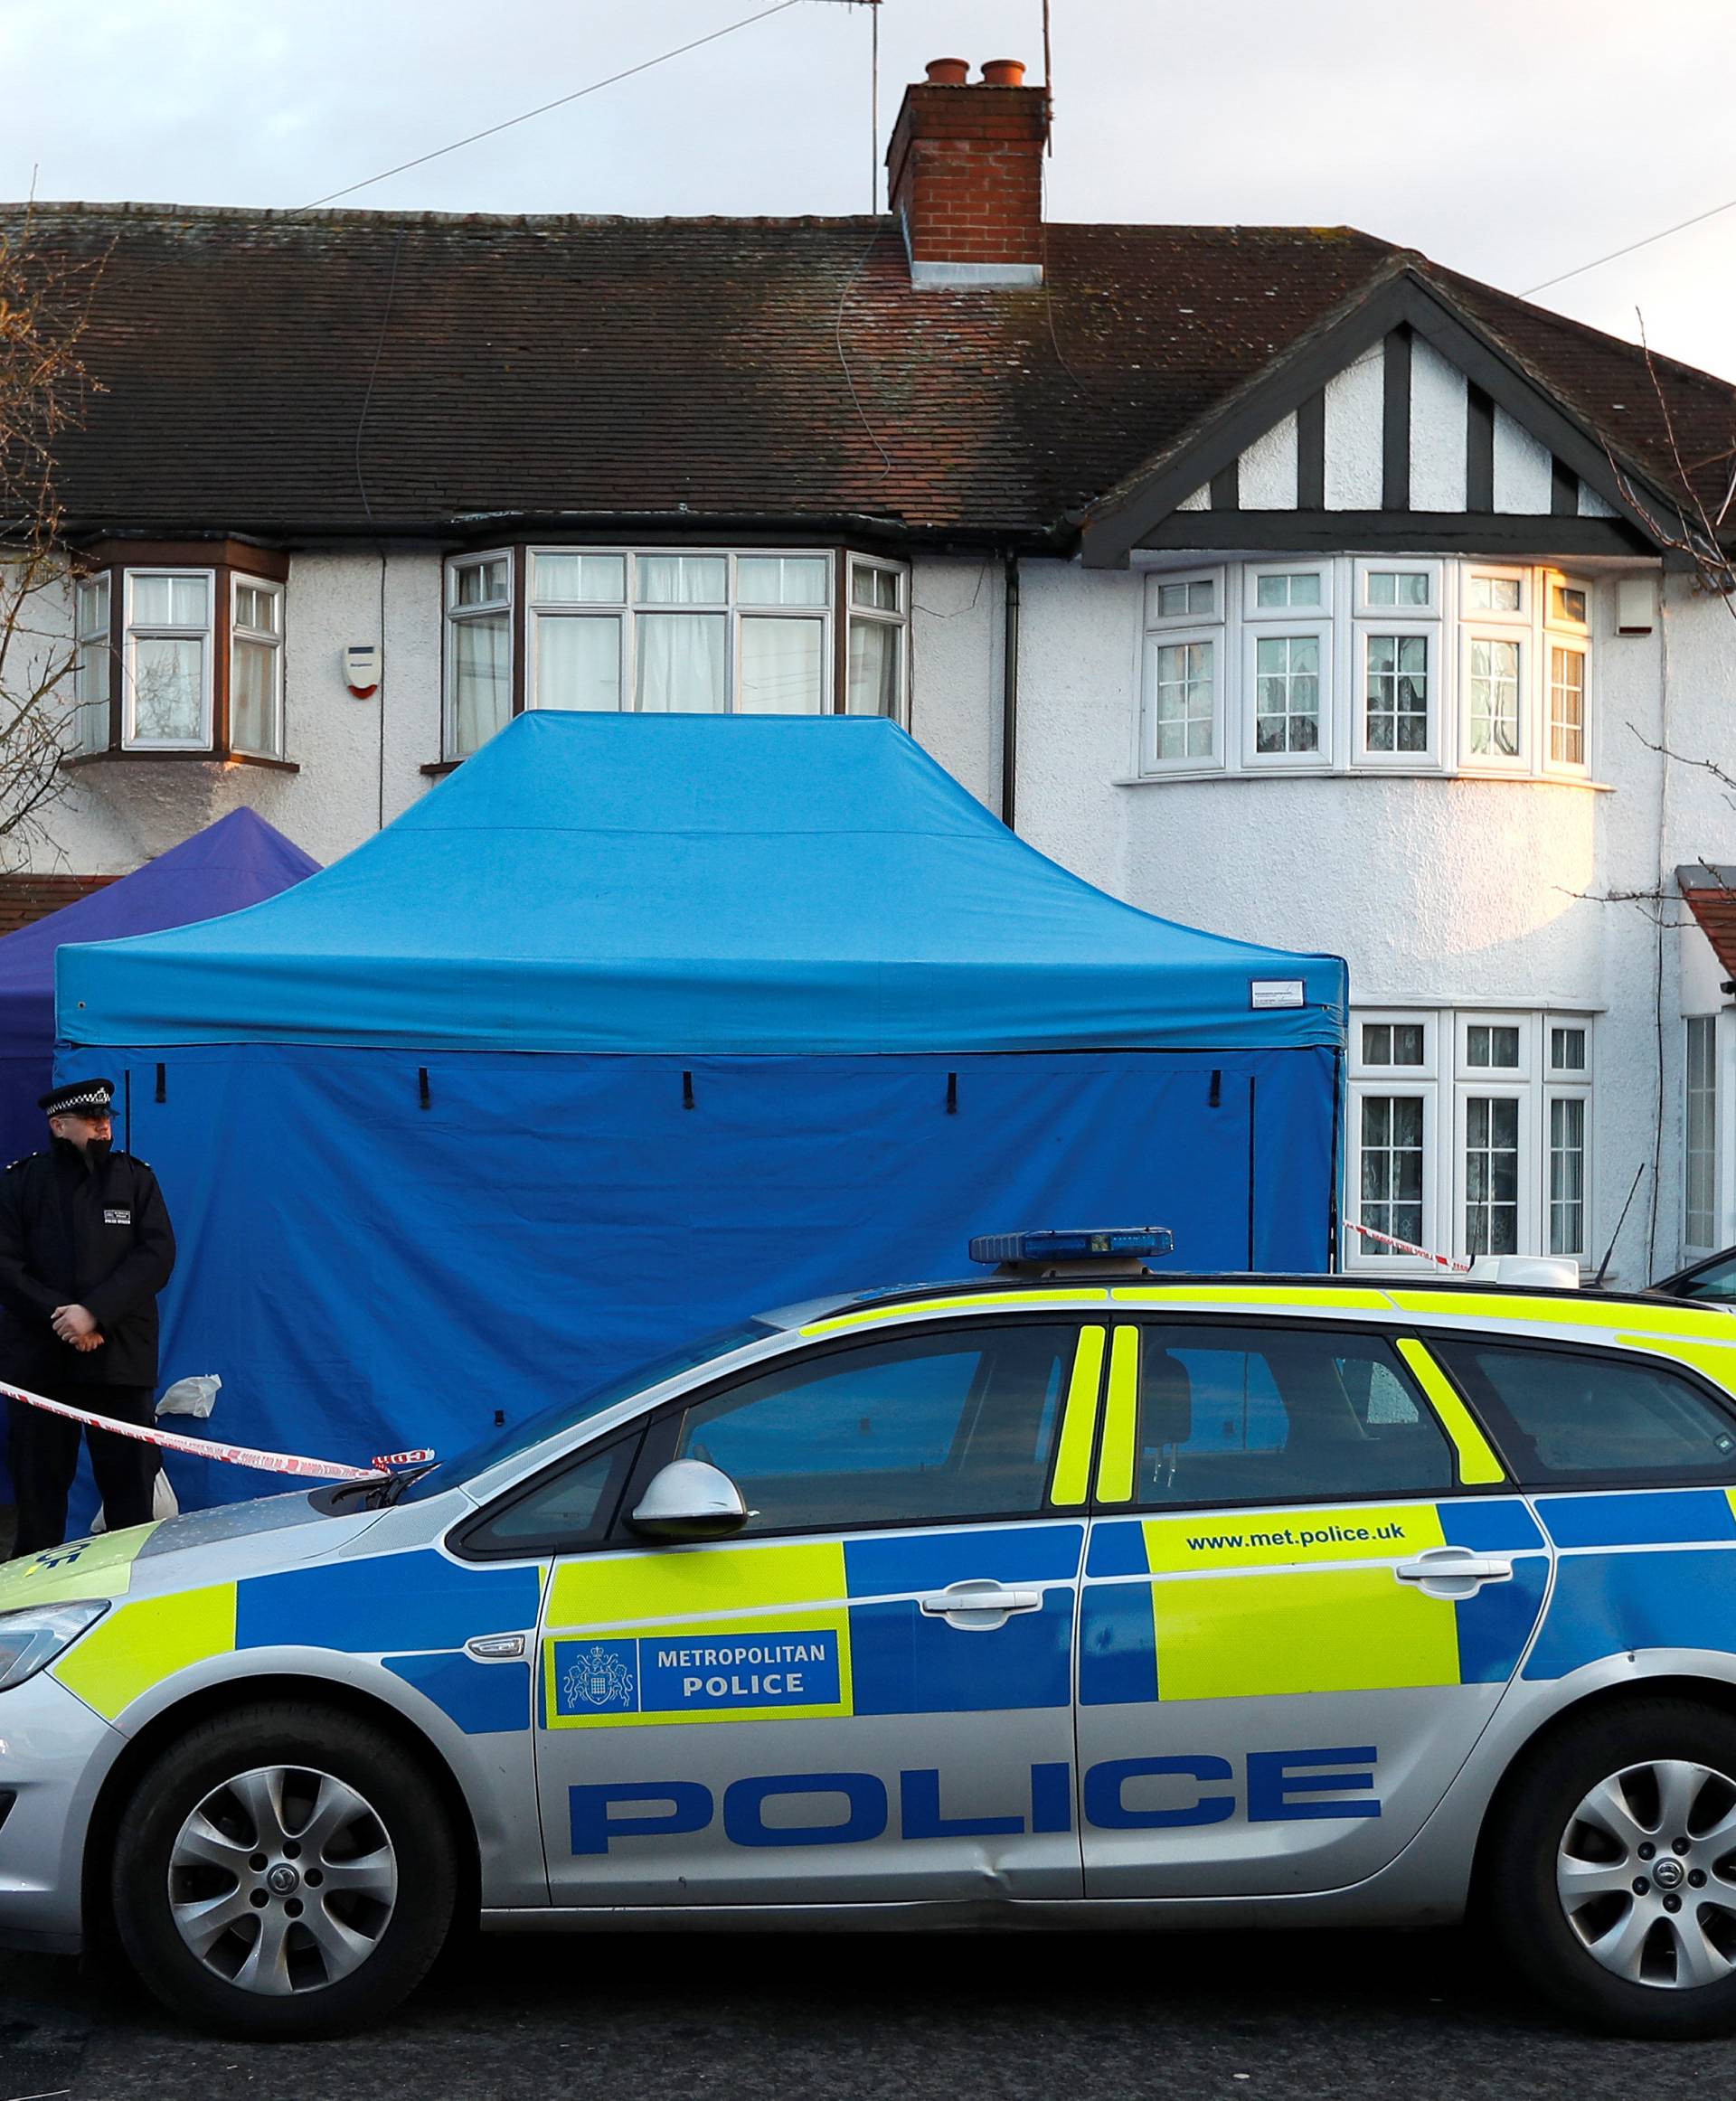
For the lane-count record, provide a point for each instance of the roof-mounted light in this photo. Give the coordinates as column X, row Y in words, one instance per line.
column 1123, row 1246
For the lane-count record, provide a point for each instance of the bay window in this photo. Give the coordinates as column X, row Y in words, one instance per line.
column 256, row 667
column 1506, row 1168
column 878, row 614
column 93, row 664
column 1290, row 688
column 1566, row 640
column 1181, row 722
column 479, row 653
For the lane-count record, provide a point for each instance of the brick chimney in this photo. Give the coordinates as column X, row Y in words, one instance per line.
column 966, row 176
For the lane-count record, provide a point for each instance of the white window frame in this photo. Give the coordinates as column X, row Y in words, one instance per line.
column 1712, row 1092
column 1429, row 757
column 1411, row 1082
column 1286, row 629
column 1496, row 1086
column 133, row 633
column 537, row 610
column 93, row 711
column 454, row 617
column 1213, row 574
column 1509, row 572
column 882, row 616
column 1575, row 635
column 1524, row 1024
column 1179, row 638
column 1526, row 642
column 238, row 583
column 1365, row 565
column 1252, row 571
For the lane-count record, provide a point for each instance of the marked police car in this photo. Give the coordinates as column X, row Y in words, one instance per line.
column 1074, row 1594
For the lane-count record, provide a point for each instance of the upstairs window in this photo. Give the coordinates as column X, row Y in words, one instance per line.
column 93, row 665
column 479, row 650
column 1181, row 715
column 256, row 667
column 167, row 657
column 878, row 617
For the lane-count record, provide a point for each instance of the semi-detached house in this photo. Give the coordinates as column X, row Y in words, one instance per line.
column 1275, row 578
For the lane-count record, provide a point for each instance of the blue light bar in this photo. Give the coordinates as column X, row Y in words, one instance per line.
column 1058, row 1244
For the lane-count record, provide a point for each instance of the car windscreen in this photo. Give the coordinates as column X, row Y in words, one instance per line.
column 567, row 1415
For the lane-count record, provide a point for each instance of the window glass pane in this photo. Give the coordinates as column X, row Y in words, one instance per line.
column 572, row 1509
column 1567, row 706
column 91, row 672
column 578, row 663
column 1259, row 1415
column 482, row 684
column 168, row 689
column 1494, row 699
column 93, row 606
column 780, row 580
column 1567, row 1050
column 480, row 583
column 150, row 600
column 1559, row 1414
column 253, row 698
column 1288, row 590
column 782, row 667
column 1398, row 587
column 875, row 649
column 879, row 588
column 1177, row 600
column 1393, row 1043
column 1702, row 1163
column 579, row 580
column 939, row 1427
column 1494, row 594
column 682, row 579
column 1398, row 692
column 1567, row 603
column 1567, row 1175
column 1493, row 1044
column 1287, row 694
column 1392, row 1164
column 1377, row 1043
column 1179, row 689
column 681, row 663
column 189, row 601
column 1491, row 1175
column 1716, row 1281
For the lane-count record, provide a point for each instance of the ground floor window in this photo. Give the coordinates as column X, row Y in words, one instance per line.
column 1700, row 1222
column 1470, row 1133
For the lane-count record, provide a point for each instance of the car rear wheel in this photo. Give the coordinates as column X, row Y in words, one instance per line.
column 1612, row 1875
column 283, row 1871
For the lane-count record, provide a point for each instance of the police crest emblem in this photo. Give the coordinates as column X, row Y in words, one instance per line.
column 599, row 1677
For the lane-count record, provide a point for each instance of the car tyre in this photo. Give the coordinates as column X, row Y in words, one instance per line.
column 284, row 1870
column 1610, row 1878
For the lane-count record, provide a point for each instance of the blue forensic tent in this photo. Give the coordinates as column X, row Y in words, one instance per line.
column 638, row 1023
column 237, row 861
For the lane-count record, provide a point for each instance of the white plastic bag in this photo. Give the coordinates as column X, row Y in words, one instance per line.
column 163, row 1504
column 193, row 1396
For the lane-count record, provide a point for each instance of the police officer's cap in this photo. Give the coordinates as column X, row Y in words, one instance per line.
column 79, row 1097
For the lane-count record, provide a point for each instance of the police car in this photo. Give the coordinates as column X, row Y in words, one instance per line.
column 1078, row 1595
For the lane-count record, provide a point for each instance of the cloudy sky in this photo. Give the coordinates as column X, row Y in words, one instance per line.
column 1514, row 139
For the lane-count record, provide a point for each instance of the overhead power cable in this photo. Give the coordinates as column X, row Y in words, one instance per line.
column 542, row 109
column 1681, row 226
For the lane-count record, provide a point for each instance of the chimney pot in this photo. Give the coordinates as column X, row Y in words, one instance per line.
column 964, row 168
column 1003, row 73
column 948, row 72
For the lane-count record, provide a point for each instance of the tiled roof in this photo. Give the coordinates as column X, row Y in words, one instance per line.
column 1710, row 894
column 273, row 373
column 25, row 899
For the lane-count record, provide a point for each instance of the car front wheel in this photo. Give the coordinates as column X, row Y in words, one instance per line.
column 1612, row 1874
column 283, row 1871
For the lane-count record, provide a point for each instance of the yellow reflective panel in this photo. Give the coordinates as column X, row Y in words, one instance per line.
column 1710, row 1323
column 1283, row 1538
column 685, row 1582
column 1342, row 1299
column 1120, row 1418
column 1476, row 1461
column 137, row 1645
column 768, row 1648
column 1079, row 1424
column 964, row 1302
column 97, row 1568
column 1716, row 1360
column 1337, row 1630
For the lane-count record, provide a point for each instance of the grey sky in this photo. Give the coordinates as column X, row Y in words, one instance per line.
column 1510, row 138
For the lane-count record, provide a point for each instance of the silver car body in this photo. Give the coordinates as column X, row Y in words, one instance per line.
column 917, row 1724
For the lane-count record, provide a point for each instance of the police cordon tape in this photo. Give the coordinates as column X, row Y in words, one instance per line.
column 1407, row 1247
column 231, row 1455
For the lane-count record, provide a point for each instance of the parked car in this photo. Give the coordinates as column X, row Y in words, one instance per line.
column 1074, row 1594
column 1713, row 1279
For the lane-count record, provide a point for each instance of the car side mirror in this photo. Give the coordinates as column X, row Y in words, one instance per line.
column 690, row 1500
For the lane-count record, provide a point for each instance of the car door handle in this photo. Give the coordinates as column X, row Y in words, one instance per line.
column 978, row 1604
column 1454, row 1572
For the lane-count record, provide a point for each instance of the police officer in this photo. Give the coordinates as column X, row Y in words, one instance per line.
column 85, row 1246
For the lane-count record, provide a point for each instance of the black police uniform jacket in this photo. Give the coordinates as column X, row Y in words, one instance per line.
column 88, row 1229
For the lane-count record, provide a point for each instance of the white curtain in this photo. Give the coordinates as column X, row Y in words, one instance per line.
column 681, row 664
column 578, row 663
column 482, row 685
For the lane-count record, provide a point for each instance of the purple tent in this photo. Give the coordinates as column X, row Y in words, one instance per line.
column 238, row 860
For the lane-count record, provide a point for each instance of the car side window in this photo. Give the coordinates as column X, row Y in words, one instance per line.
column 1231, row 1414
column 1714, row 1280
column 921, row 1427
column 1575, row 1416
column 564, row 1510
